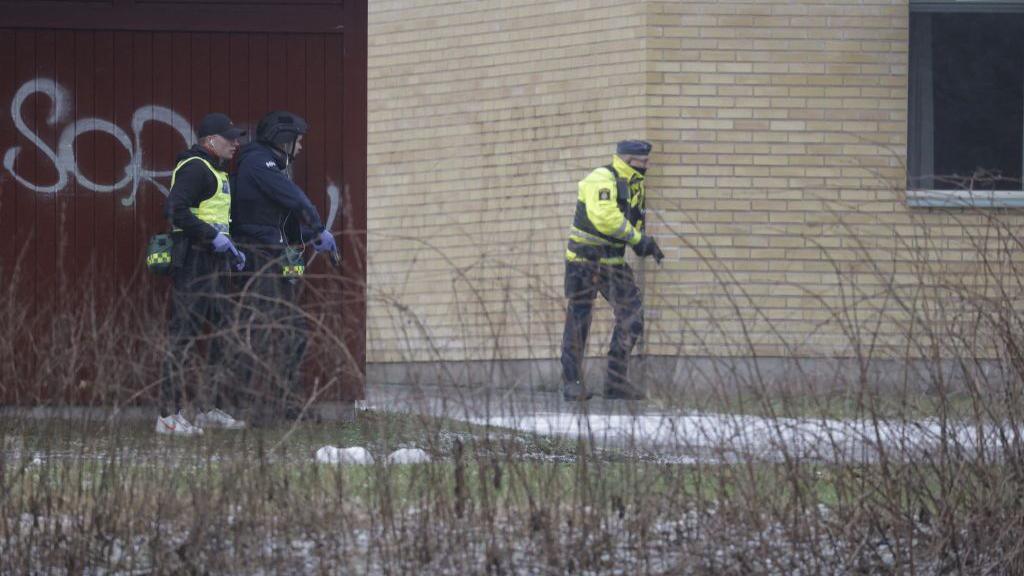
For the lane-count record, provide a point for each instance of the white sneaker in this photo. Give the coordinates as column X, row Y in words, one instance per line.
column 217, row 418
column 176, row 425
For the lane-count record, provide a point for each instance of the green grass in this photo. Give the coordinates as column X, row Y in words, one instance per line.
column 380, row 432
column 468, row 459
column 62, row 455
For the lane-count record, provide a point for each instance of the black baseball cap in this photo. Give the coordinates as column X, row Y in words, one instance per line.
column 219, row 124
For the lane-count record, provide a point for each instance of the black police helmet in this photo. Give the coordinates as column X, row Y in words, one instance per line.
column 280, row 127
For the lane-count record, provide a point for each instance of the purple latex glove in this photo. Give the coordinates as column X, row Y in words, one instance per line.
column 221, row 243
column 325, row 242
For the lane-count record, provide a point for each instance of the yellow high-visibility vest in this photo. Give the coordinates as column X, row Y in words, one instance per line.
column 609, row 214
column 215, row 210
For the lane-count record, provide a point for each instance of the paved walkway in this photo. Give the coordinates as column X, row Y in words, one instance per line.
column 685, row 435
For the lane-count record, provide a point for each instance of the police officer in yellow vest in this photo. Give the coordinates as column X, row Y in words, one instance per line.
column 199, row 207
column 610, row 211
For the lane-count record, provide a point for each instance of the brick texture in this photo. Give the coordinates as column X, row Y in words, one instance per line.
column 777, row 189
column 483, row 115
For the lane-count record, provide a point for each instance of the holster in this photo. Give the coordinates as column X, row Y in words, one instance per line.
column 179, row 251
column 294, row 265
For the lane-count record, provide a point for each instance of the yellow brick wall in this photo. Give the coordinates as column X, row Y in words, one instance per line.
column 777, row 188
column 784, row 131
column 483, row 115
column 781, row 196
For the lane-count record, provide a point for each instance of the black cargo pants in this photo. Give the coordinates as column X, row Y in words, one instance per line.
column 274, row 330
column 199, row 297
column 583, row 281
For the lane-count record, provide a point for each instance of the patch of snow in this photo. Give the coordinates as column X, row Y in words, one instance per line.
column 408, row 456
column 728, row 435
column 354, row 455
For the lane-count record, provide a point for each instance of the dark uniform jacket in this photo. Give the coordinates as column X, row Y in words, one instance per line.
column 267, row 205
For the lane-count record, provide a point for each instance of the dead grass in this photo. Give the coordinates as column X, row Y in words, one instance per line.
column 98, row 497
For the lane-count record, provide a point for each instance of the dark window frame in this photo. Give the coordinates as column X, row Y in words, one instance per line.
column 920, row 133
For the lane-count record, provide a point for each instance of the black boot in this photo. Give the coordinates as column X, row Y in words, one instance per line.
column 624, row 393
column 620, row 389
column 616, row 377
column 575, row 391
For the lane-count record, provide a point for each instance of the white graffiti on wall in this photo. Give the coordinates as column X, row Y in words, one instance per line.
column 63, row 158
column 334, row 200
column 66, row 164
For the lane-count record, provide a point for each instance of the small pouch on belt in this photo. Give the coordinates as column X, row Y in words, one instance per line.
column 159, row 254
column 294, row 265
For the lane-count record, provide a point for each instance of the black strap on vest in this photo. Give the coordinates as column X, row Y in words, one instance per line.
column 621, row 189
column 634, row 215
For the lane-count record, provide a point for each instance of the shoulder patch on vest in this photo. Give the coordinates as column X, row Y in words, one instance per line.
column 604, row 194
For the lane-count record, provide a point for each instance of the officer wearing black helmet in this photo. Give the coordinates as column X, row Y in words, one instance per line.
column 272, row 218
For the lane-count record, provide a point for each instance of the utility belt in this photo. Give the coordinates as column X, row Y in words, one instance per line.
column 222, row 228
column 292, row 263
column 596, row 252
column 182, row 245
column 167, row 252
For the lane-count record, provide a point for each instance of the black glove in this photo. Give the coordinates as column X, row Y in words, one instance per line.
column 647, row 246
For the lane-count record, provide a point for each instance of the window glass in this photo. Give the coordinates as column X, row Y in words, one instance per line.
column 966, row 101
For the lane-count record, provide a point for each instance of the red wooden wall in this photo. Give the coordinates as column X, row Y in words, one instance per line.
column 97, row 98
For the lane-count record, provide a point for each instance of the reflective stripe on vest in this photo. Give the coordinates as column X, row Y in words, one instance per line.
column 587, row 243
column 215, row 210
